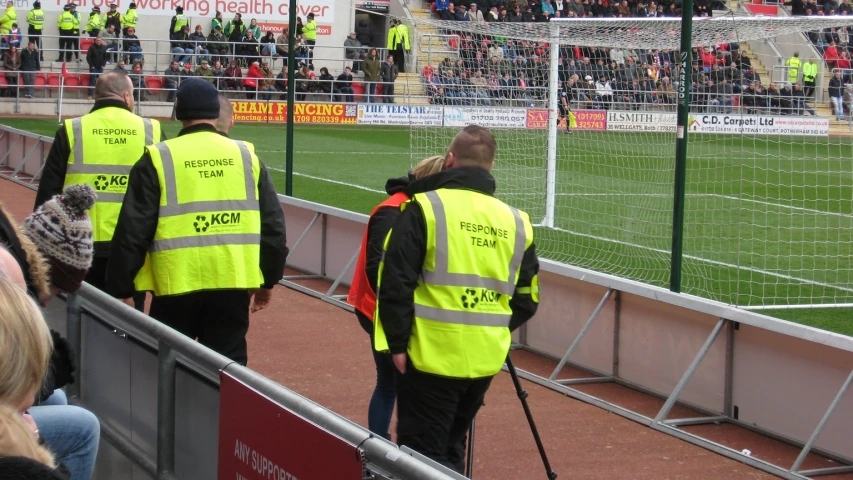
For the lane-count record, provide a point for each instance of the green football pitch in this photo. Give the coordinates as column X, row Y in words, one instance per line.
column 768, row 220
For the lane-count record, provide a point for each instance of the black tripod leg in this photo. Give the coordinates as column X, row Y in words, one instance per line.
column 522, row 395
column 469, row 468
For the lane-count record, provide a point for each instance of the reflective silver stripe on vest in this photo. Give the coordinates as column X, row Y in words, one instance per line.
column 77, row 131
column 460, row 317
column 149, row 131
column 173, row 208
column 441, row 274
column 104, row 169
column 206, row 241
column 110, row 197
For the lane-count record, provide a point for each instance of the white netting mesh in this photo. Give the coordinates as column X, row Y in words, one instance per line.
column 769, row 209
column 646, row 33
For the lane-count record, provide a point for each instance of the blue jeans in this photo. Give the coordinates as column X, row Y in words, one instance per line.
column 94, row 73
column 135, row 54
column 70, row 432
column 837, row 107
column 183, row 54
column 385, row 393
column 371, row 92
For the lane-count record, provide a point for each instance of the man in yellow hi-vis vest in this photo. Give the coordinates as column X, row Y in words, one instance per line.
column 793, row 65
column 201, row 227
column 402, row 47
column 99, row 149
column 459, row 273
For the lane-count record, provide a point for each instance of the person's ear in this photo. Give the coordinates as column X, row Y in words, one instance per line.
column 449, row 161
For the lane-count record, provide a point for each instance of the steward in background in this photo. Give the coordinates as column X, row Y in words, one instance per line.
column 459, row 273
column 201, row 227
column 99, row 149
column 35, row 28
column 362, row 293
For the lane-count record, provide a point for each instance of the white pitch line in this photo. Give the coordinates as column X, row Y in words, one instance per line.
column 315, row 152
column 352, row 185
column 727, row 197
column 802, row 209
column 713, row 262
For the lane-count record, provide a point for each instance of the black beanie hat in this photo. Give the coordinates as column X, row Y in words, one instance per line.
column 36, row 4
column 196, row 99
column 179, row 9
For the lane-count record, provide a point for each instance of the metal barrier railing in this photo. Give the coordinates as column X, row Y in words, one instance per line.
column 161, row 51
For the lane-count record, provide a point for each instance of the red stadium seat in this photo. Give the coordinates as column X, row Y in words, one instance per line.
column 52, row 83
column 72, row 84
column 4, row 84
column 41, row 82
column 358, row 91
column 85, row 43
column 154, row 84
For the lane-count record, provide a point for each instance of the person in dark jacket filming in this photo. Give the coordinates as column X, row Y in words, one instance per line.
column 459, row 273
column 362, row 294
column 201, row 227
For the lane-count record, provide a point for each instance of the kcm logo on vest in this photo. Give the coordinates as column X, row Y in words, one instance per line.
column 485, row 298
column 111, row 183
column 220, row 222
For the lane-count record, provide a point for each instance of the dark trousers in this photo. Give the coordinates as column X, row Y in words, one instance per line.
column 311, row 44
column 384, row 393
column 808, row 87
column 66, row 44
column 97, row 278
column 434, row 414
column 400, row 58
column 219, row 319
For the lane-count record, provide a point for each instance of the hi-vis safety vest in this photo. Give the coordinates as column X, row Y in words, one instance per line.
column 130, row 19
column 36, row 18
column 361, row 296
column 793, row 65
column 180, row 21
column 105, row 144
column 310, row 30
column 462, row 312
column 94, row 23
column 809, row 71
column 65, row 22
column 209, row 228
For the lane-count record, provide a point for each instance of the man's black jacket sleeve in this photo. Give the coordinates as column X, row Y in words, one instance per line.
column 377, row 229
column 273, row 235
column 137, row 224
column 404, row 259
column 53, row 174
column 525, row 299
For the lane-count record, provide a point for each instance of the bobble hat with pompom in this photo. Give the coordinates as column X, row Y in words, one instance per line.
column 62, row 232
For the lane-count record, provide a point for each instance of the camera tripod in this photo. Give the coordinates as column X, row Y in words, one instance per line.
column 522, row 395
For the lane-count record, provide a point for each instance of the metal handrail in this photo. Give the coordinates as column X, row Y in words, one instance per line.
column 158, row 51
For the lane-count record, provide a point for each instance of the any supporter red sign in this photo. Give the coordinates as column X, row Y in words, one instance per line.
column 261, row 440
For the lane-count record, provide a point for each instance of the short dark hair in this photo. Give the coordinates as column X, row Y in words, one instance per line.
column 474, row 145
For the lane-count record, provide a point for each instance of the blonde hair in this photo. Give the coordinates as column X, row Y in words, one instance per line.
column 17, row 440
column 428, row 166
column 25, row 345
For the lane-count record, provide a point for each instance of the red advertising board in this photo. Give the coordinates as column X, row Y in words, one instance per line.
column 261, row 440
column 276, row 112
column 586, row 119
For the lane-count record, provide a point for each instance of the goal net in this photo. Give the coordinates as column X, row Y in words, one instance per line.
column 769, row 202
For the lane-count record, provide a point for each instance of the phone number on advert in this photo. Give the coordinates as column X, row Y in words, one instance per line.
column 493, row 118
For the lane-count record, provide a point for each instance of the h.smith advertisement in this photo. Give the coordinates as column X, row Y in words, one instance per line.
column 641, row 121
column 276, row 112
